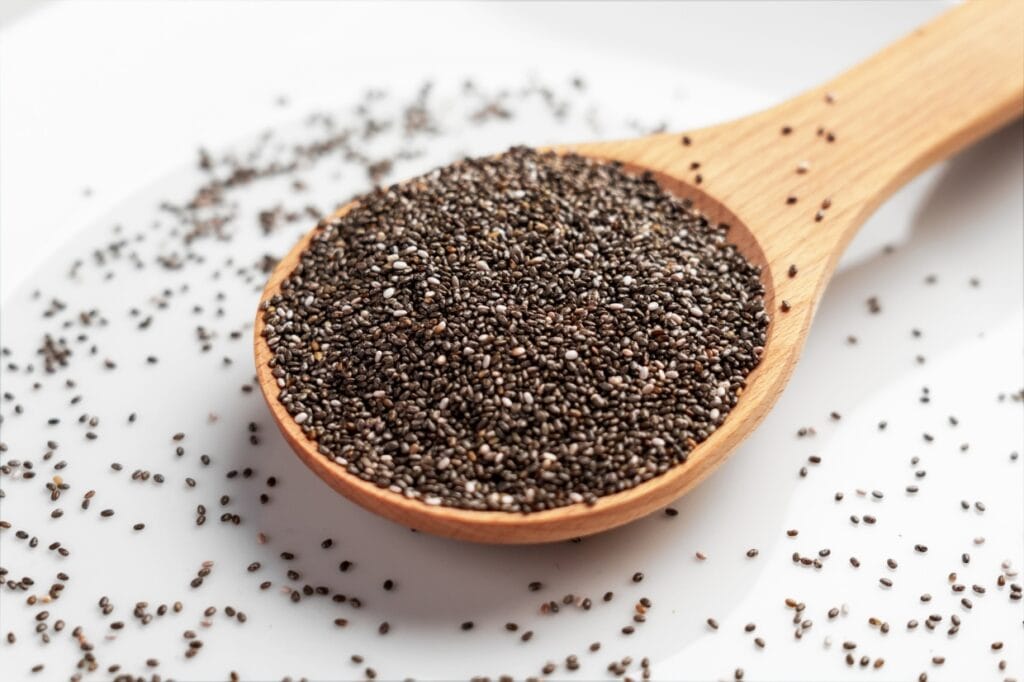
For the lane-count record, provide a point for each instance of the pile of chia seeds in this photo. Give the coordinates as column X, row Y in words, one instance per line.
column 518, row 333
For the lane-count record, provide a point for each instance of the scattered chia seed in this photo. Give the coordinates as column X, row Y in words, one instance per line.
column 576, row 359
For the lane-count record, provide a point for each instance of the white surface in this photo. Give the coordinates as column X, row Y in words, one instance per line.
column 116, row 106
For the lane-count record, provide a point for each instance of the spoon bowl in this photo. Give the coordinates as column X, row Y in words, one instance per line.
column 576, row 520
column 793, row 183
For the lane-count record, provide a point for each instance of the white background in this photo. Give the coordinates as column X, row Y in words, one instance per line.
column 110, row 96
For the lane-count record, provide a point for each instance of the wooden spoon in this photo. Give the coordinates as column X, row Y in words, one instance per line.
column 795, row 183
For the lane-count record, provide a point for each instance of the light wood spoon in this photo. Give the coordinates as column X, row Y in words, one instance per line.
column 839, row 150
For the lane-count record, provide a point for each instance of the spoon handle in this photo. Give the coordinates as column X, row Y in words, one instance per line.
column 926, row 97
column 804, row 175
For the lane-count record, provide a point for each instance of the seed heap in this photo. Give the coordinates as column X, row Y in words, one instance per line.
column 519, row 332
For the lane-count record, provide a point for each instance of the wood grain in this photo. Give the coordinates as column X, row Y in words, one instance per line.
column 850, row 144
